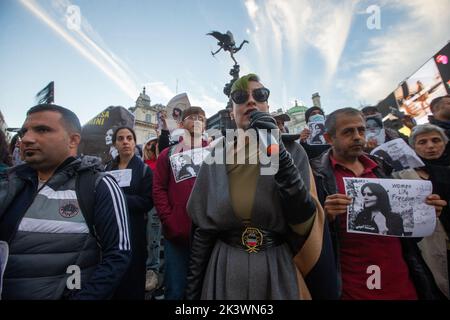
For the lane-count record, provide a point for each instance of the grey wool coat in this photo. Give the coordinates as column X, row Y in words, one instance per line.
column 222, row 272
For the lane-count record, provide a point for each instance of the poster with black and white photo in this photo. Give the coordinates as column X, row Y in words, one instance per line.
column 185, row 165
column 317, row 129
column 398, row 154
column 375, row 130
column 175, row 108
column 389, row 207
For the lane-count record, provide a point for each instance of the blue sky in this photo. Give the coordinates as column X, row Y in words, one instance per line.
column 298, row 47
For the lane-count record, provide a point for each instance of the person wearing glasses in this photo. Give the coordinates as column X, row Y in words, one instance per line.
column 170, row 195
column 248, row 228
column 377, row 215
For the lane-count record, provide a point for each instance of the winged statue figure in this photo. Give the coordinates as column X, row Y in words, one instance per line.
column 227, row 43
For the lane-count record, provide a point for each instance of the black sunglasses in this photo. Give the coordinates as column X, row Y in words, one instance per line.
column 241, row 96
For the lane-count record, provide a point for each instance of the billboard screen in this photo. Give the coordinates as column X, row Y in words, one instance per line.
column 414, row 95
column 96, row 135
column 442, row 59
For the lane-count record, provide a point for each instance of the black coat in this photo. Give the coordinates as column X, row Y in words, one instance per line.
column 139, row 201
column 394, row 223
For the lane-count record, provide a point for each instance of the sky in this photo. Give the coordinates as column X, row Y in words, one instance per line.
column 352, row 52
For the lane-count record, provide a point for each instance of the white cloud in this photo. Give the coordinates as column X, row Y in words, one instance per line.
column 208, row 103
column 159, row 92
column 330, row 38
column 252, row 8
column 402, row 49
column 86, row 42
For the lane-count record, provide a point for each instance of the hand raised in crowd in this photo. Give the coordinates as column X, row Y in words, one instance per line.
column 262, row 120
column 304, row 135
column 436, row 201
column 336, row 204
column 164, row 120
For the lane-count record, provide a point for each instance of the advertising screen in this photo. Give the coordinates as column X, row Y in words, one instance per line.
column 414, row 95
column 443, row 64
column 96, row 135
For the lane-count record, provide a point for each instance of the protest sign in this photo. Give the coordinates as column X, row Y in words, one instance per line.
column 398, row 154
column 390, row 207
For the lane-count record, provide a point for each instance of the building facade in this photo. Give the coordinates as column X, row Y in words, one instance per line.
column 220, row 121
column 146, row 119
column 297, row 115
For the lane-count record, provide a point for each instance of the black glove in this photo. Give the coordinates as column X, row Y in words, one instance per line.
column 203, row 243
column 297, row 203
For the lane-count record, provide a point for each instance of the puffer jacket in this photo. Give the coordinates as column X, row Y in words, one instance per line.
column 49, row 238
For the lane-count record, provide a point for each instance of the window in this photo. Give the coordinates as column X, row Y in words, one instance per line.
column 148, row 118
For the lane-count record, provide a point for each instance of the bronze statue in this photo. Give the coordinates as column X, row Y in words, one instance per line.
column 227, row 43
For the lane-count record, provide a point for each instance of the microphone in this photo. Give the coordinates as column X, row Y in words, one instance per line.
column 266, row 139
column 269, row 142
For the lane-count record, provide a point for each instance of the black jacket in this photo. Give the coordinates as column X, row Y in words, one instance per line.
column 39, row 259
column 394, row 223
column 326, row 185
column 139, row 200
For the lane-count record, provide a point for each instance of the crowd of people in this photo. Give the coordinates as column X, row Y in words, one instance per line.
column 78, row 228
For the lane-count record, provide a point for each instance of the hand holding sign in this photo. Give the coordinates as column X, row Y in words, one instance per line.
column 336, row 204
column 436, row 201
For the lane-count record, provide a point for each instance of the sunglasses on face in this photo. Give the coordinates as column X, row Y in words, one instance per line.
column 242, row 96
column 368, row 194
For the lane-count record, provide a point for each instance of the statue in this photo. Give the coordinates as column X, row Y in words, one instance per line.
column 227, row 43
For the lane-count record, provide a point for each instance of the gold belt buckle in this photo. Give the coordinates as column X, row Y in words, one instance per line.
column 252, row 239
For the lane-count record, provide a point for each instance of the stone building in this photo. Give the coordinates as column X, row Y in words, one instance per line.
column 297, row 114
column 146, row 123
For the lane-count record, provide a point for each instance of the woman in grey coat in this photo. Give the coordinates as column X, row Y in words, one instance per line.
column 252, row 230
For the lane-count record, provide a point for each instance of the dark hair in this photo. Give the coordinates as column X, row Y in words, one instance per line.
column 12, row 143
column 380, row 153
column 69, row 117
column 114, row 137
column 377, row 120
column 369, row 109
column 330, row 122
column 310, row 110
column 178, row 110
column 383, row 204
column 5, row 156
column 192, row 110
column 437, row 101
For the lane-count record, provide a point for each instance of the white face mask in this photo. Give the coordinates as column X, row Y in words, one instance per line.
column 374, row 130
column 379, row 136
column 316, row 118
